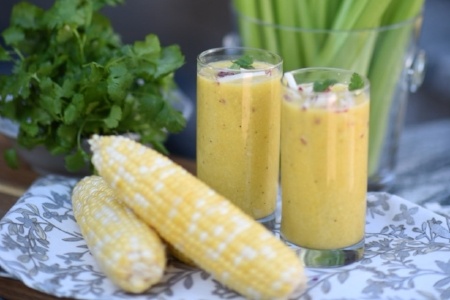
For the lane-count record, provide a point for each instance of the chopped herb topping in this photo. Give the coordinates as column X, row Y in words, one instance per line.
column 244, row 62
column 356, row 82
column 323, row 85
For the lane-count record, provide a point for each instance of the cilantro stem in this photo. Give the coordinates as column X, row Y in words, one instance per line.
column 80, row 44
column 19, row 54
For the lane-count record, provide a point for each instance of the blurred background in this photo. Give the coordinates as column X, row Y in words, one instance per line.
column 197, row 25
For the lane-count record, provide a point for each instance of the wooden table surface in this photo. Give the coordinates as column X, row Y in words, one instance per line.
column 12, row 185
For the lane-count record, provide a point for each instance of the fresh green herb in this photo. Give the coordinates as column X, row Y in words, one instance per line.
column 10, row 157
column 356, row 82
column 73, row 77
column 323, row 85
column 244, row 62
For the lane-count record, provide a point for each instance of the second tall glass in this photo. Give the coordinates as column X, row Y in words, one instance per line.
column 238, row 127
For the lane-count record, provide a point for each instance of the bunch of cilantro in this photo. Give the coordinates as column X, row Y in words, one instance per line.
column 72, row 77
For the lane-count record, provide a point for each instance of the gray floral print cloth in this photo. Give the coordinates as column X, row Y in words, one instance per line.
column 407, row 254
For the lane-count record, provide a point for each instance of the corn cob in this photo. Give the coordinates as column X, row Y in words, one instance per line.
column 178, row 255
column 207, row 228
column 126, row 249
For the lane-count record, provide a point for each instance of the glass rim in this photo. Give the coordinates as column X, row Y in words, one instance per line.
column 276, row 65
column 286, row 84
column 396, row 25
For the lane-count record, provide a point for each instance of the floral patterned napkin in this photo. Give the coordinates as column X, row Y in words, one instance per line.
column 406, row 257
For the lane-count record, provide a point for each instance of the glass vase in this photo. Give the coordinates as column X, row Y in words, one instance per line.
column 389, row 56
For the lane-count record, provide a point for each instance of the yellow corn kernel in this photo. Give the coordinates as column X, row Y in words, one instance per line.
column 178, row 255
column 207, row 228
column 126, row 249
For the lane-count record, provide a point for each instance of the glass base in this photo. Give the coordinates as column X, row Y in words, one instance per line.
column 269, row 221
column 327, row 258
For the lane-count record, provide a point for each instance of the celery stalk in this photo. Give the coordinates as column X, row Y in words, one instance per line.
column 365, row 48
column 290, row 45
column 308, row 42
column 268, row 31
column 385, row 71
column 248, row 29
column 336, row 50
column 348, row 14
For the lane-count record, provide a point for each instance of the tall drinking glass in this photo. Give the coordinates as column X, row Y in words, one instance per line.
column 238, row 127
column 324, row 158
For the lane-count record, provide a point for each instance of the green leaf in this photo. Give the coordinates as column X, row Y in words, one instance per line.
column 73, row 77
column 51, row 104
column 244, row 62
column 170, row 60
column 76, row 161
column 4, row 55
column 11, row 158
column 74, row 109
column 149, row 48
column 67, row 136
column 115, row 114
column 171, row 119
column 13, row 36
column 356, row 82
column 69, row 12
column 26, row 15
column 30, row 129
column 41, row 116
column 101, row 3
column 119, row 81
column 323, row 85
column 64, row 34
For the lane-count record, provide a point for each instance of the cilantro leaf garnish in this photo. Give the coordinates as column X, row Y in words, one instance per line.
column 323, row 85
column 356, row 82
column 74, row 77
column 244, row 62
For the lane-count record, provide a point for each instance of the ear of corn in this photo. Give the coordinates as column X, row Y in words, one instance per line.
column 180, row 256
column 197, row 221
column 127, row 250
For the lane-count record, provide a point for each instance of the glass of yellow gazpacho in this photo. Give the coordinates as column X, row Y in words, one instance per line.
column 324, row 157
column 238, row 127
